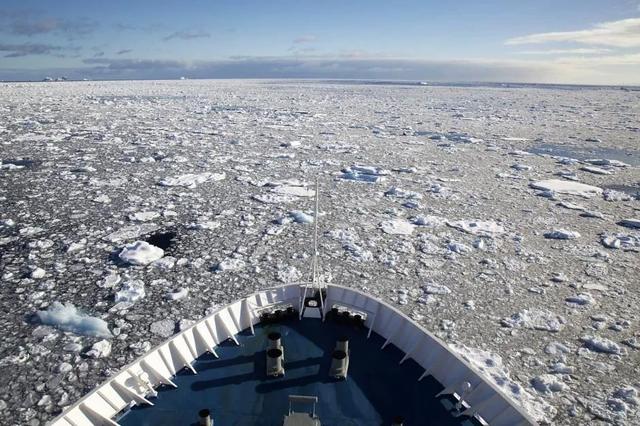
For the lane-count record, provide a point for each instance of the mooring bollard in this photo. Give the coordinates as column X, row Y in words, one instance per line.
column 204, row 418
column 274, row 363
column 339, row 364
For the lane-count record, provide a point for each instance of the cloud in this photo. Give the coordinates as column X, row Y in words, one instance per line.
column 187, row 35
column 624, row 33
column 309, row 38
column 135, row 64
column 123, row 51
column 26, row 49
column 585, row 51
column 631, row 59
column 324, row 67
column 574, row 70
column 29, row 24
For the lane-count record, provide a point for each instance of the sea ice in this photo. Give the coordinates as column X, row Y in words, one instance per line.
column 436, row 289
column 596, row 170
column 296, row 191
column 230, row 264
column 561, row 234
column 131, row 291
column 140, row 253
column 477, row 227
column 144, row 216
column 581, row 299
column 397, row 227
column 177, row 294
column 163, row 328
column 402, row 193
column 130, row 232
column 364, row 174
column 492, row 367
column 566, row 187
column 601, row 344
column 630, row 223
column 192, row 180
column 301, row 217
column 429, row 221
column 351, row 244
column 535, row 319
column 68, row 318
column 101, row 349
column 548, row 384
column 616, row 241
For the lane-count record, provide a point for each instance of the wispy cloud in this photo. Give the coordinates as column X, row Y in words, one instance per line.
column 584, row 51
column 123, row 51
column 309, row 38
column 26, row 49
column 624, row 33
column 30, row 24
column 187, row 35
column 612, row 69
column 295, row 67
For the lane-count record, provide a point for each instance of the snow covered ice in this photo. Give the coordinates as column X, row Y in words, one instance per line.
column 116, row 226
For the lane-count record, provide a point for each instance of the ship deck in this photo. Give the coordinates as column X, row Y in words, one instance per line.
column 236, row 390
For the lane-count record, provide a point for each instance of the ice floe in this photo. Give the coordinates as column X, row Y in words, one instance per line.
column 397, row 227
column 352, row 244
column 630, row 223
column 101, row 349
column 140, row 253
column 192, row 180
column 478, row 227
column 535, row 319
column 144, row 216
column 548, row 384
column 68, row 318
column 131, row 291
column 561, row 234
column 492, row 367
column 230, row 264
column 367, row 174
column 567, row 187
column 601, row 344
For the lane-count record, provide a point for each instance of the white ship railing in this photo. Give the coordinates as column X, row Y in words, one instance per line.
column 134, row 382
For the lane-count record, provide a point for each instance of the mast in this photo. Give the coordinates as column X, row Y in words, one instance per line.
column 315, row 234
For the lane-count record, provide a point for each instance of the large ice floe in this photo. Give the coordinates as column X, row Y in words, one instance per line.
column 68, row 318
column 140, row 253
column 567, row 187
column 536, row 319
column 367, row 174
column 478, row 227
column 192, row 180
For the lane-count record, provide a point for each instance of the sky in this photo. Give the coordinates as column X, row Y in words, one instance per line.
column 529, row 41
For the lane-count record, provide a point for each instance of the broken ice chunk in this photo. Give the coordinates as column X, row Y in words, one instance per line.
column 630, row 223
column 601, row 344
column 140, row 253
column 566, row 187
column 364, row 174
column 192, row 180
column 230, row 264
column 477, row 227
column 131, row 291
column 67, row 318
column 101, row 349
column 535, row 319
column 561, row 234
column 397, row 227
